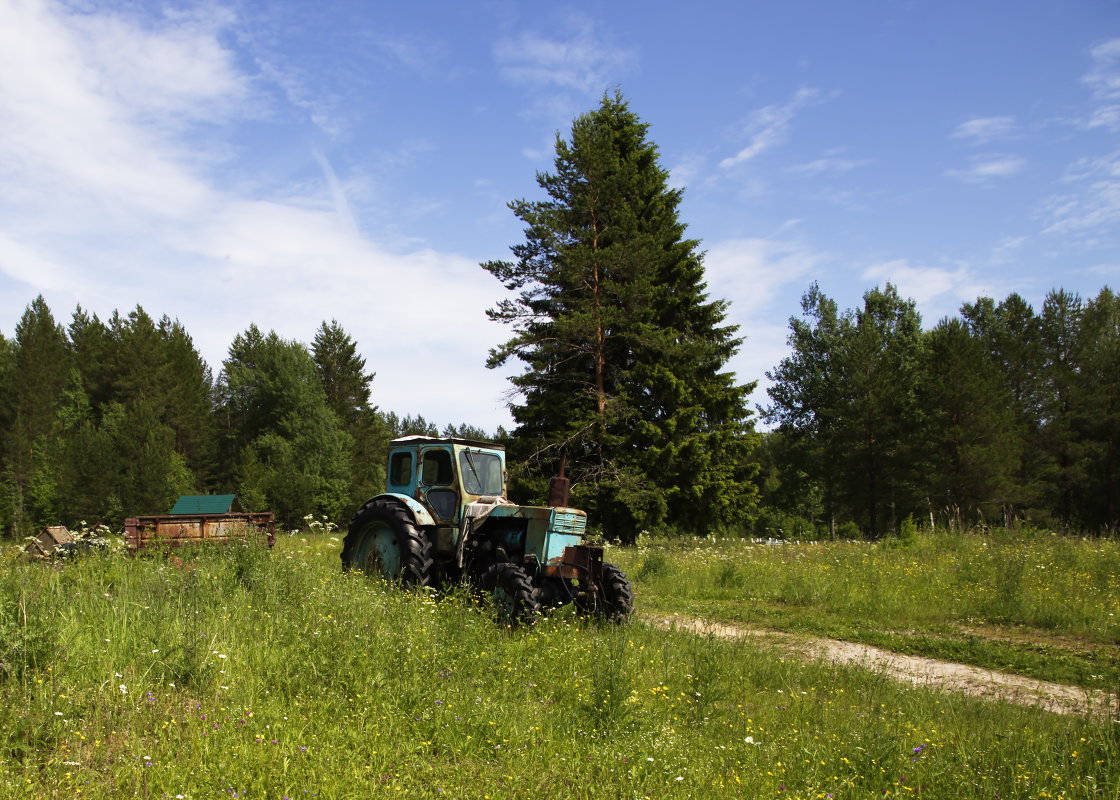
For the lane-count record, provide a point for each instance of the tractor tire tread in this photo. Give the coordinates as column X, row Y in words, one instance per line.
column 415, row 549
column 514, row 580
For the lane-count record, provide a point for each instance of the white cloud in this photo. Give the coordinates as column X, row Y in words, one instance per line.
column 938, row 291
column 1104, row 81
column 763, row 350
column 984, row 129
column 107, row 203
column 768, row 126
column 751, row 272
column 986, row 168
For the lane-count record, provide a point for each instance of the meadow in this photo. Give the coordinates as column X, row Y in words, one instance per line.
column 1028, row 601
column 248, row 673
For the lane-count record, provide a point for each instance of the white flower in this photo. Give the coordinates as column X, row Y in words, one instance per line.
column 123, row 688
column 750, row 740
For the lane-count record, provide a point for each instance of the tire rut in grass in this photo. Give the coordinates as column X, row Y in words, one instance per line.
column 974, row 681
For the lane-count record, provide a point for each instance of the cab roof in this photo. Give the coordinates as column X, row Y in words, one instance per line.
column 407, row 440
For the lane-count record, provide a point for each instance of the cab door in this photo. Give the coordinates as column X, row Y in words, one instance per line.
column 436, row 487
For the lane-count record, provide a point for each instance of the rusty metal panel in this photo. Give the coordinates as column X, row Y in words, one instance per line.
column 172, row 531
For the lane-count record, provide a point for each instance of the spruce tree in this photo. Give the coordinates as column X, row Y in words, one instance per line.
column 287, row 449
column 346, row 385
column 40, row 373
column 625, row 356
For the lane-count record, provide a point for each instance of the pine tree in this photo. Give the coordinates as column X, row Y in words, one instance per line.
column 1099, row 496
column 625, row 356
column 1010, row 333
column 1064, row 465
column 972, row 449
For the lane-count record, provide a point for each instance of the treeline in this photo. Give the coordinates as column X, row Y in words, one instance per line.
column 997, row 416
column 104, row 420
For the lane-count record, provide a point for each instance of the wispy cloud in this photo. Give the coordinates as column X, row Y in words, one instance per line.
column 1095, row 206
column 982, row 130
column 1006, row 248
column 586, row 61
column 938, row 291
column 768, row 126
column 113, row 196
column 1104, row 81
column 986, row 168
column 829, row 164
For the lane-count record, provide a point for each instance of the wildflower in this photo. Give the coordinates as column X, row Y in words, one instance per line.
column 123, row 688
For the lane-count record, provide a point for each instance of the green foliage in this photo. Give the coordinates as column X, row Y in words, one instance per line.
column 287, row 447
column 625, row 356
column 996, row 417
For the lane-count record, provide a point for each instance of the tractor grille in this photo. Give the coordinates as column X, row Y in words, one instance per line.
column 568, row 522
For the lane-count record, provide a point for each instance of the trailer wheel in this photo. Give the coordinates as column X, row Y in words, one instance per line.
column 383, row 541
column 512, row 592
column 616, row 598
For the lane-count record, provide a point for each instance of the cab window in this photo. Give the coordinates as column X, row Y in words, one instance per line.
column 437, row 468
column 400, row 469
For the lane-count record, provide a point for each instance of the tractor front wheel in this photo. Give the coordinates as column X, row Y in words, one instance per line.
column 383, row 541
column 616, row 598
column 512, row 592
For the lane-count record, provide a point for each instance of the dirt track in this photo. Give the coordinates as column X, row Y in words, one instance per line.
column 1056, row 697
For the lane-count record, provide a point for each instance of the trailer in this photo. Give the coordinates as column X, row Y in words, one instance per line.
column 166, row 530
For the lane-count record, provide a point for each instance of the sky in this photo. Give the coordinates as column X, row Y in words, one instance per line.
column 288, row 163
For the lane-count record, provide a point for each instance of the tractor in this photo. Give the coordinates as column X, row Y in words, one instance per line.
column 444, row 519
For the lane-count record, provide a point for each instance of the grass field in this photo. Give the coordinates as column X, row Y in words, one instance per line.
column 1025, row 602
column 254, row 674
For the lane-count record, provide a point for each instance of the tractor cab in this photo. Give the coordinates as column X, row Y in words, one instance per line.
column 446, row 475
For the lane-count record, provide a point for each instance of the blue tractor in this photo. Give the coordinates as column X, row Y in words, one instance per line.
column 444, row 519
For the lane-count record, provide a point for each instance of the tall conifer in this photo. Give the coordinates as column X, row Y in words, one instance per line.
column 625, row 356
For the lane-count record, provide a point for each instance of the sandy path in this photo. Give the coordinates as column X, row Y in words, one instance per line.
column 1056, row 697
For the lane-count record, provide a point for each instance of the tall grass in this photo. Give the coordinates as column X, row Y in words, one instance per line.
column 248, row 673
column 1027, row 601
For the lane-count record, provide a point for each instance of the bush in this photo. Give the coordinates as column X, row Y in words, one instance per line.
column 848, row 530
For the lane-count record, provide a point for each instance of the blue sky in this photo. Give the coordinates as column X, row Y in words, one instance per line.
column 287, row 162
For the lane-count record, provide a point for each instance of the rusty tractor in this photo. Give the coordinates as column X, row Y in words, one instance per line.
column 444, row 519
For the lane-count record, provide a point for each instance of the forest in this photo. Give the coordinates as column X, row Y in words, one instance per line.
column 999, row 416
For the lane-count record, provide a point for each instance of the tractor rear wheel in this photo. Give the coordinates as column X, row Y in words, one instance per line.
column 616, row 598
column 512, row 592
column 383, row 541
